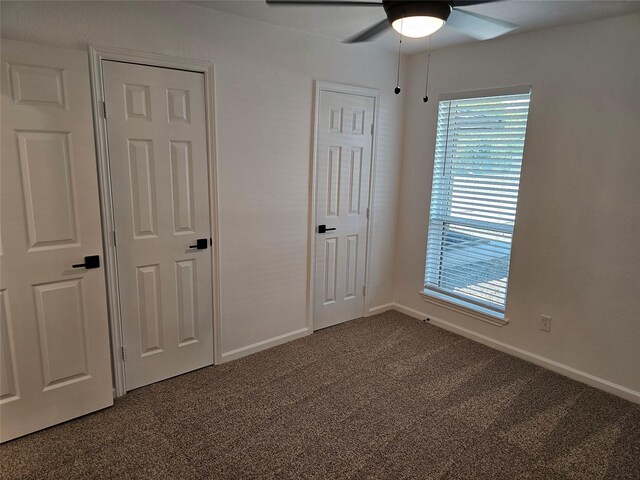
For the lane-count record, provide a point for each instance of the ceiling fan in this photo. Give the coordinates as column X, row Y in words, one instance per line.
column 418, row 19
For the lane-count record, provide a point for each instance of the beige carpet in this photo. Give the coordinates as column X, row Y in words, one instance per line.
column 384, row 397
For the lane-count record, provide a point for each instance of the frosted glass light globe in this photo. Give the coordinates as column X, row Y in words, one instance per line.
column 416, row 27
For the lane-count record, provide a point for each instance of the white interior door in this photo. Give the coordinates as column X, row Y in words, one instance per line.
column 156, row 129
column 343, row 160
column 54, row 328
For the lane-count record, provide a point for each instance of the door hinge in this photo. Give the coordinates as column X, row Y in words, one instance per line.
column 124, row 353
column 372, row 129
column 104, row 109
column 367, row 213
column 364, row 290
column 115, row 239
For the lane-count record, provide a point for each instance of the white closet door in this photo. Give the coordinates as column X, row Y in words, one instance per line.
column 55, row 340
column 344, row 142
column 156, row 128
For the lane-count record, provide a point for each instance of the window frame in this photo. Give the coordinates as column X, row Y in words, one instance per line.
column 444, row 298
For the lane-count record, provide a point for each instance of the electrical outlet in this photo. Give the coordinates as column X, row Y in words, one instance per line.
column 545, row 323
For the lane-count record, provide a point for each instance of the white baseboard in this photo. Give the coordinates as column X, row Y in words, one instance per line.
column 380, row 309
column 557, row 367
column 264, row 344
column 410, row 311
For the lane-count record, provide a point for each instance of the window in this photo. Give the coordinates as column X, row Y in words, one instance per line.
column 479, row 146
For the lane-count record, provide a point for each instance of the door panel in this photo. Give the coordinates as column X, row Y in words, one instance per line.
column 182, row 187
column 59, row 312
column 46, row 167
column 8, row 387
column 156, row 129
column 344, row 143
column 55, row 341
column 143, row 188
column 149, row 310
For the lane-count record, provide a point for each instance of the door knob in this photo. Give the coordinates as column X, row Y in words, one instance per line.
column 201, row 244
column 323, row 228
column 92, row 261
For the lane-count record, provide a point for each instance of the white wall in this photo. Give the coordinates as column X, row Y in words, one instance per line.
column 576, row 246
column 264, row 94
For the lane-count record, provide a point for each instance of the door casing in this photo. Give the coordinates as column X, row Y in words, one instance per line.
column 97, row 54
column 311, row 259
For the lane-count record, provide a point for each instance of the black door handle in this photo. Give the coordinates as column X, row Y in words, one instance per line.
column 323, row 228
column 201, row 244
column 92, row 261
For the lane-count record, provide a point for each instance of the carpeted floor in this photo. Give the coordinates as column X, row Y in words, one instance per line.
column 383, row 397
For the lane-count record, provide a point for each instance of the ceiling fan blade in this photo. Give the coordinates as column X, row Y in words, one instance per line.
column 467, row 3
column 369, row 33
column 478, row 26
column 322, row 3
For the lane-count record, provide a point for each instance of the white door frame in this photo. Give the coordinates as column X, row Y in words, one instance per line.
column 97, row 54
column 311, row 257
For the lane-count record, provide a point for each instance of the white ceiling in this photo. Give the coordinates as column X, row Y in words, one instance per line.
column 342, row 22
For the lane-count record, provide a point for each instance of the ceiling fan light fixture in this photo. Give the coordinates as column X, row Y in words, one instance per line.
column 416, row 19
column 417, row 27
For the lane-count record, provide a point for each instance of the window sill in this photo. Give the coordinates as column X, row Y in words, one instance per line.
column 470, row 311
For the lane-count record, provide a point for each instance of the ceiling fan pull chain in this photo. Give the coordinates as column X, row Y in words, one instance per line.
column 425, row 99
column 397, row 89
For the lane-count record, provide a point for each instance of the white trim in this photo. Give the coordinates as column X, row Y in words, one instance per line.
column 410, row 311
column 380, row 309
column 487, row 92
column 311, row 238
column 465, row 308
column 567, row 371
column 265, row 344
column 351, row 90
column 96, row 55
column 372, row 190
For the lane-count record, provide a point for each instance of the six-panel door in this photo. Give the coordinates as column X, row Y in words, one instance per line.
column 343, row 166
column 54, row 351
column 55, row 359
column 156, row 129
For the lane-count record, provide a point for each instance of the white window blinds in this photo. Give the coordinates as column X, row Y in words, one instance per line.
column 476, row 174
